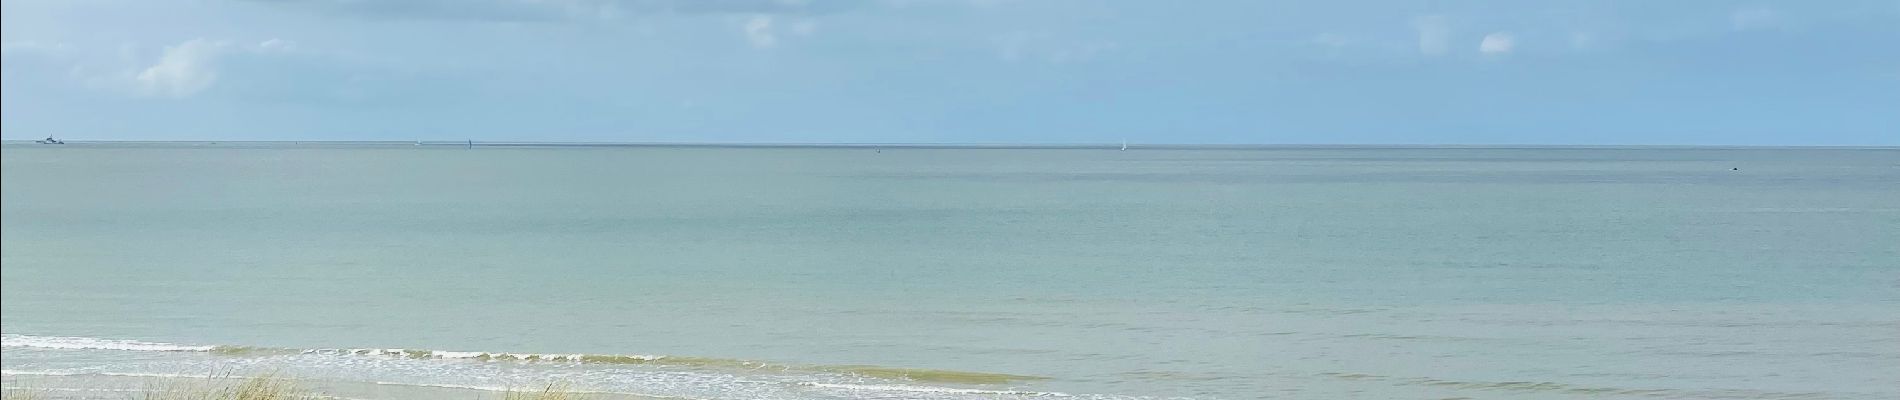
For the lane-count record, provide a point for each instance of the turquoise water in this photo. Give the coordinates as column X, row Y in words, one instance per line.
column 857, row 273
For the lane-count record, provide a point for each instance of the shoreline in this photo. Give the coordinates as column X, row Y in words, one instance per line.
column 972, row 146
column 97, row 385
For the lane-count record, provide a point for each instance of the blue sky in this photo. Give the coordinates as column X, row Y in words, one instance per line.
column 959, row 71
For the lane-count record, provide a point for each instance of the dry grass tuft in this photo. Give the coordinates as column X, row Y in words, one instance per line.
column 18, row 393
column 262, row 387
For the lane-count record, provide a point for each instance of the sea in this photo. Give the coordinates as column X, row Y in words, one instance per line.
column 458, row 271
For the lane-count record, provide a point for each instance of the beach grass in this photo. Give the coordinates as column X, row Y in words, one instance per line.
column 262, row 387
column 17, row 393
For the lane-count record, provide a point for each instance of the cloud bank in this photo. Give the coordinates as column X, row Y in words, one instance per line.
column 559, row 10
column 184, row 69
column 1434, row 35
column 1497, row 43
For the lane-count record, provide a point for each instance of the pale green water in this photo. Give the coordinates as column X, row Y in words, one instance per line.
column 1316, row 273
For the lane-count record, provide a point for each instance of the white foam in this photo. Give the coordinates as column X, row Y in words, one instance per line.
column 458, row 354
column 83, row 343
column 56, row 389
column 931, row 389
column 485, row 388
column 494, row 388
column 69, row 372
column 469, row 355
column 38, row 373
column 676, row 384
column 145, row 391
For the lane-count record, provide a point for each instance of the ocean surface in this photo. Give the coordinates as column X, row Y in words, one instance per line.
column 442, row 271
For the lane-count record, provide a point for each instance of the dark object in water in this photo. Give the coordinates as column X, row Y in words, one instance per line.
column 1735, row 169
column 49, row 140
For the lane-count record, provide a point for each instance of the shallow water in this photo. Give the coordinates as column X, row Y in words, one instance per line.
column 853, row 273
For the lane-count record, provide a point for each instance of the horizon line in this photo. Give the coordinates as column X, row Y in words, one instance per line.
column 948, row 145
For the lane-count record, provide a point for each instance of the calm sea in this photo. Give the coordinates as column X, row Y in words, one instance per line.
column 399, row 271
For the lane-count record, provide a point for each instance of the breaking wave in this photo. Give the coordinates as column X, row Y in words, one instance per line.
column 911, row 374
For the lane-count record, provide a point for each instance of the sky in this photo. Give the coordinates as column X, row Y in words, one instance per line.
column 1611, row 72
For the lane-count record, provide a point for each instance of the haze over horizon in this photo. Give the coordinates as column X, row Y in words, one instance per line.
column 1569, row 72
column 916, row 145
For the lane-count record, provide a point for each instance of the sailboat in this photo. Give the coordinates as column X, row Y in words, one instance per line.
column 1124, row 145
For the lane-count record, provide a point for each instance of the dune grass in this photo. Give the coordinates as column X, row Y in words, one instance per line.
column 16, row 393
column 262, row 387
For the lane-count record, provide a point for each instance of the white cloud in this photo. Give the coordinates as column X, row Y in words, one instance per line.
column 184, row 70
column 1497, row 43
column 1751, row 18
column 1012, row 47
column 275, row 44
column 764, row 31
column 1582, row 40
column 758, row 30
column 541, row 11
column 1434, row 35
